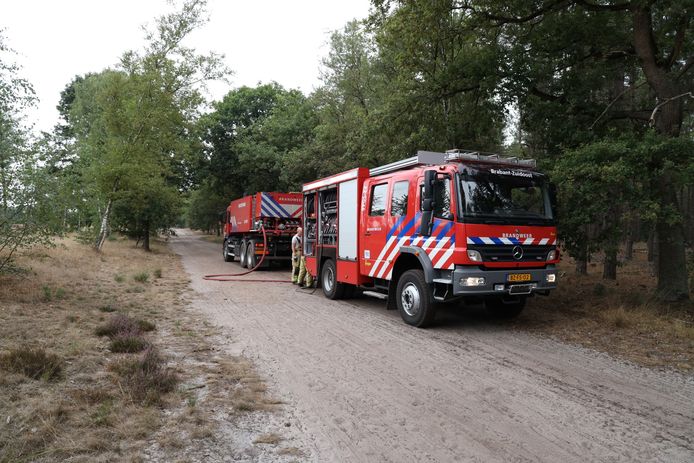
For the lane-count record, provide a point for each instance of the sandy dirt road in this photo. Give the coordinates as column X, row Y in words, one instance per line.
column 364, row 386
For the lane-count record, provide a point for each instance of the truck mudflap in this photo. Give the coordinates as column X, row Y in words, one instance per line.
column 517, row 282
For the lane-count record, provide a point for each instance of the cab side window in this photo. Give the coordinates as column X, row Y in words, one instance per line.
column 378, row 200
column 398, row 200
column 442, row 200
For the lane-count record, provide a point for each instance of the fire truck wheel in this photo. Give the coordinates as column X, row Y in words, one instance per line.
column 251, row 259
column 414, row 300
column 328, row 281
column 225, row 252
column 243, row 253
column 500, row 308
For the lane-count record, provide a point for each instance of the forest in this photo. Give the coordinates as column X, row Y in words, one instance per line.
column 600, row 92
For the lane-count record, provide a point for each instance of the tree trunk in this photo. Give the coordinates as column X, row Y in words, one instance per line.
column 581, row 261
column 653, row 253
column 145, row 239
column 609, row 271
column 673, row 284
column 671, row 261
column 105, row 227
column 632, row 235
column 629, row 247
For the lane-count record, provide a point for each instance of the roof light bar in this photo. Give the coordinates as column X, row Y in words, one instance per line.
column 422, row 158
column 459, row 155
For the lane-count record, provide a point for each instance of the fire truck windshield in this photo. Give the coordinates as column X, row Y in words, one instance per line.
column 504, row 195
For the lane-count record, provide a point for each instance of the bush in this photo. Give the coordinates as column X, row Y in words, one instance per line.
column 119, row 278
column 157, row 273
column 147, row 377
column 118, row 325
column 47, row 293
column 128, row 343
column 34, row 363
column 145, row 325
column 141, row 277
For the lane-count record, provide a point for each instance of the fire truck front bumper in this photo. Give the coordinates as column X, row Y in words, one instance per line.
column 477, row 281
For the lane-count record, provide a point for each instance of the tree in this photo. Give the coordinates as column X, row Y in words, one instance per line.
column 24, row 210
column 253, row 139
column 611, row 62
column 204, row 208
column 230, row 131
column 133, row 124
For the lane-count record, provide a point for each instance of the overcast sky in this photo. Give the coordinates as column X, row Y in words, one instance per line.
column 269, row 40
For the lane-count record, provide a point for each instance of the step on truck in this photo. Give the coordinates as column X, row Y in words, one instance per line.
column 278, row 213
column 436, row 227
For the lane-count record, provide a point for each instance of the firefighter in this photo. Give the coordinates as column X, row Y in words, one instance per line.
column 296, row 255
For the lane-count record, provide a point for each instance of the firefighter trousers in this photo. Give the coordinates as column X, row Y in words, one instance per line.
column 305, row 278
column 296, row 264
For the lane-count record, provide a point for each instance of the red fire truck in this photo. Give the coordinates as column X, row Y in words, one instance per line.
column 435, row 227
column 278, row 213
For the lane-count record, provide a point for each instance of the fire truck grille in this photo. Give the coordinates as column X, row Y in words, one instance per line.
column 504, row 253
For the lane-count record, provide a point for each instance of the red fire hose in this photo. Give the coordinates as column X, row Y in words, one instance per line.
column 225, row 276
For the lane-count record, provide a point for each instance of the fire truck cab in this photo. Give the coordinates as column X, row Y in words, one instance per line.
column 435, row 227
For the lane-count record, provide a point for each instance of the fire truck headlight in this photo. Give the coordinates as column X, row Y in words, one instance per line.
column 473, row 281
column 474, row 256
column 551, row 255
column 551, row 277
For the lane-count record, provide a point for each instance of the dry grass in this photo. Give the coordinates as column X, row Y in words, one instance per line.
column 213, row 239
column 34, row 363
column 128, row 344
column 291, row 451
column 146, row 378
column 121, row 325
column 271, row 438
column 619, row 317
column 108, row 406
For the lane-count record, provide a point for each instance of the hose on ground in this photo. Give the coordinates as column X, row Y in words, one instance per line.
column 230, row 276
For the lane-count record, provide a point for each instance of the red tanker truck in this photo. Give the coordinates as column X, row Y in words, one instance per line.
column 279, row 214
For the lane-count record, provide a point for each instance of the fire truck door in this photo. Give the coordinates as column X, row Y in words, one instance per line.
column 375, row 227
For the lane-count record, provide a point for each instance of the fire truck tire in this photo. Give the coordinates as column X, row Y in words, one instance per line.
column 251, row 259
column 499, row 308
column 225, row 253
column 244, row 251
column 328, row 281
column 413, row 298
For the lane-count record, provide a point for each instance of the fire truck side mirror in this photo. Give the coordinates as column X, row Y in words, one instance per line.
column 428, row 205
column 429, row 181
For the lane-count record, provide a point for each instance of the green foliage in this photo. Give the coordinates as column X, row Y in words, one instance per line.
column 606, row 183
column 26, row 213
column 132, row 126
column 141, row 277
column 49, row 293
column 250, row 134
column 205, row 207
column 601, row 185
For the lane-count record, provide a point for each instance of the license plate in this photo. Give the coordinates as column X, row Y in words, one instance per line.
column 519, row 277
